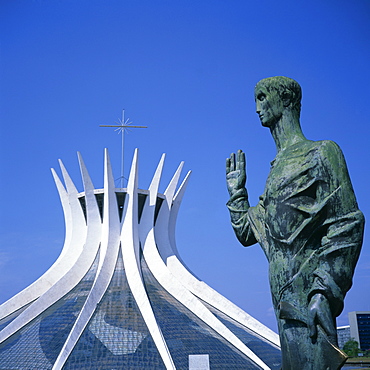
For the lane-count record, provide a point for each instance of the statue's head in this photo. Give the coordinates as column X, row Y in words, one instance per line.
column 273, row 95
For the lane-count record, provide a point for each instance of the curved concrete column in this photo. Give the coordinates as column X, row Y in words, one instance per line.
column 158, row 236
column 174, row 211
column 201, row 289
column 131, row 258
column 77, row 271
column 107, row 261
column 74, row 241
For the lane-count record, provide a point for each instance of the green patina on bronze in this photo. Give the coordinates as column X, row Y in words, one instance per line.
column 308, row 224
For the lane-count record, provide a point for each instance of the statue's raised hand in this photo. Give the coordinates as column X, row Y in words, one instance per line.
column 235, row 172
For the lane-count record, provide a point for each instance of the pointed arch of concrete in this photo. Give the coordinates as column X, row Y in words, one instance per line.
column 175, row 264
column 74, row 240
column 131, row 257
column 73, row 276
column 157, row 241
column 107, row 261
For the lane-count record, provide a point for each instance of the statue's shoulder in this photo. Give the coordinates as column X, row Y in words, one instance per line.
column 326, row 148
column 325, row 153
column 329, row 149
column 328, row 154
column 308, row 147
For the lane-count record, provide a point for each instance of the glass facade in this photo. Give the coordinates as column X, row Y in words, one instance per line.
column 8, row 319
column 116, row 337
column 37, row 345
column 186, row 335
column 270, row 354
column 363, row 324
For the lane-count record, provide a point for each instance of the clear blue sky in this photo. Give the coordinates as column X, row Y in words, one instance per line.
column 187, row 70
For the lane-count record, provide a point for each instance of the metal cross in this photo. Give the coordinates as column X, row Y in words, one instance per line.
column 123, row 125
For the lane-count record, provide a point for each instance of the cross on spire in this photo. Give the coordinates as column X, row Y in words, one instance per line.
column 121, row 128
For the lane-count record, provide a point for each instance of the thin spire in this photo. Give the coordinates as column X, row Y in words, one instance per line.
column 121, row 128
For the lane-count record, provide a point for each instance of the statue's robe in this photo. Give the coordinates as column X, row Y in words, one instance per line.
column 311, row 230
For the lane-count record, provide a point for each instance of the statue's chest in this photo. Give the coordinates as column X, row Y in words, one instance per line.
column 286, row 190
column 287, row 174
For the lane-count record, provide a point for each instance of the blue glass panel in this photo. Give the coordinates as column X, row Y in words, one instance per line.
column 186, row 335
column 37, row 344
column 116, row 336
column 363, row 324
column 8, row 319
column 269, row 353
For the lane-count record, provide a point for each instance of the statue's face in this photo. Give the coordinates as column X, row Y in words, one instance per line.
column 269, row 106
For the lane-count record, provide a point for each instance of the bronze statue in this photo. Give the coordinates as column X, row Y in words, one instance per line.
column 307, row 222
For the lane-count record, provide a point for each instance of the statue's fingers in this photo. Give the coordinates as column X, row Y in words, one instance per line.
column 312, row 326
column 327, row 324
column 227, row 165
column 241, row 160
column 232, row 162
column 328, row 328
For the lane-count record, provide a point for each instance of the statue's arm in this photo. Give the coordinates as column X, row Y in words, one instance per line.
column 238, row 203
column 340, row 244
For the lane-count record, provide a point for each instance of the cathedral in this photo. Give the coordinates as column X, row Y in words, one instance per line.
column 119, row 295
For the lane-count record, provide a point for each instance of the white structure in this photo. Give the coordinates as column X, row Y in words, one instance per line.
column 119, row 295
column 344, row 335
